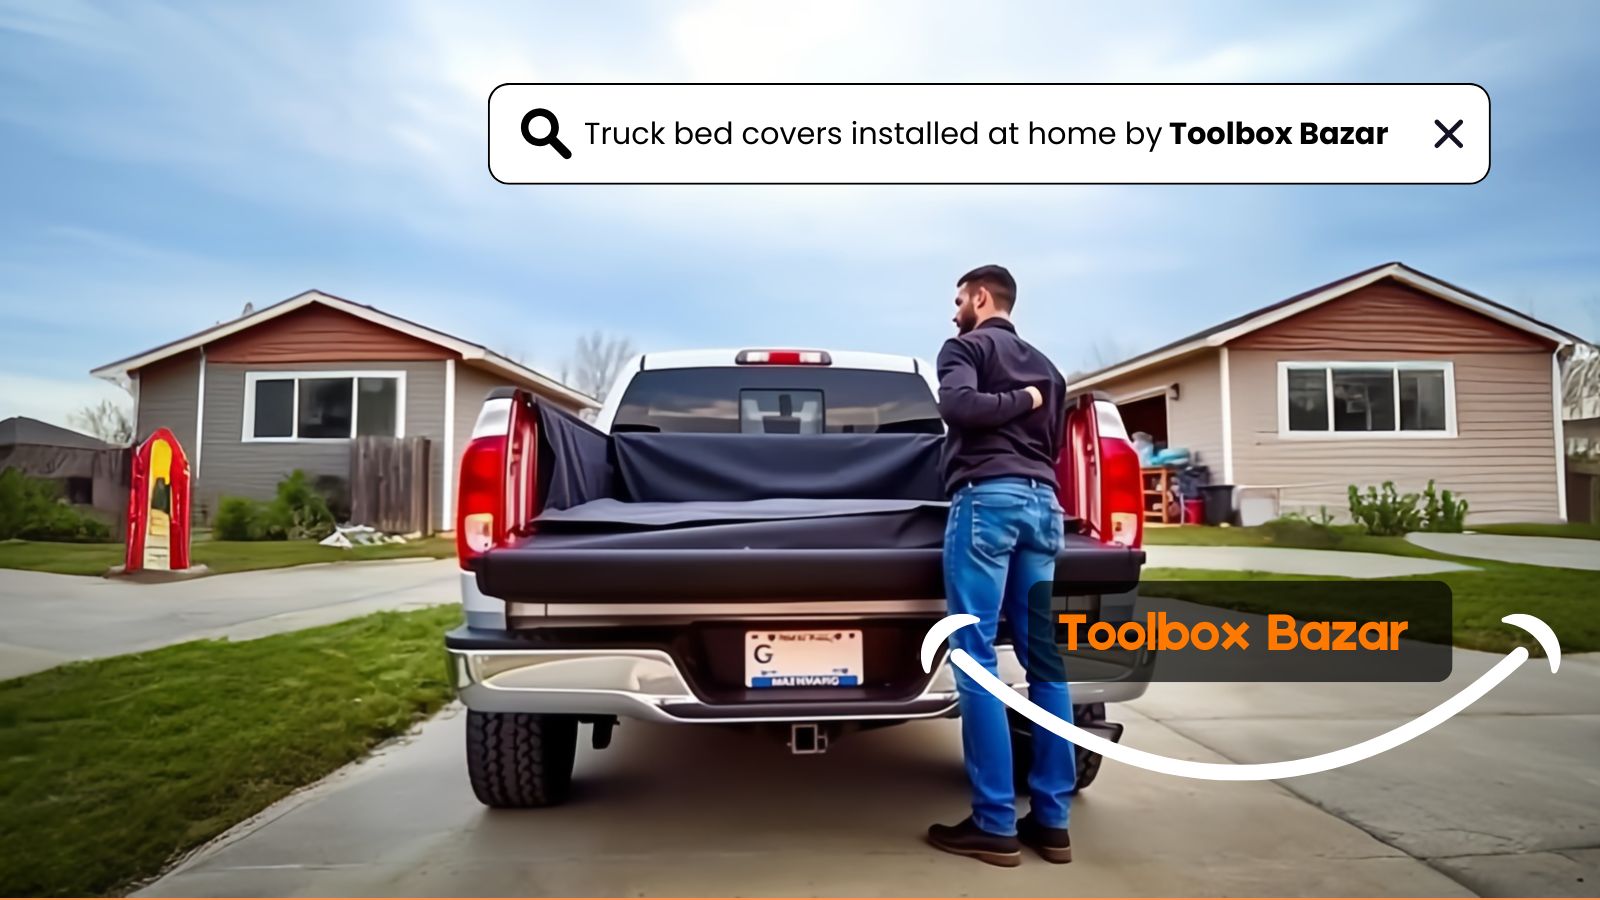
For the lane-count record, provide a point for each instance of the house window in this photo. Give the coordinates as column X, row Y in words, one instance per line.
column 1366, row 399
column 323, row 406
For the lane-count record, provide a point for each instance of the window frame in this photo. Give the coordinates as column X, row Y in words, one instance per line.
column 247, row 427
column 1444, row 366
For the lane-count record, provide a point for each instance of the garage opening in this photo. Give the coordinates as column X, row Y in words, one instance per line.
column 1148, row 415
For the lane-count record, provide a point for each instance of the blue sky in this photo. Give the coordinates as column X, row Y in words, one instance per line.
column 163, row 164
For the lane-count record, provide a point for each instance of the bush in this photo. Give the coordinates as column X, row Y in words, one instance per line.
column 240, row 519
column 1390, row 512
column 32, row 509
column 1385, row 512
column 298, row 512
column 1442, row 511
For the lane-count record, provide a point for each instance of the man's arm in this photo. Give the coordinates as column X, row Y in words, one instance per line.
column 963, row 405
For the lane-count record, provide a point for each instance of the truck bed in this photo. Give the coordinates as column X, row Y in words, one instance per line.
column 778, row 549
column 643, row 517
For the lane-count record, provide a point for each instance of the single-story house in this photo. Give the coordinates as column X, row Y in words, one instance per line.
column 1386, row 375
column 291, row 385
column 89, row 471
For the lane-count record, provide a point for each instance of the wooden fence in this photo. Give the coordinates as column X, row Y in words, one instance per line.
column 389, row 485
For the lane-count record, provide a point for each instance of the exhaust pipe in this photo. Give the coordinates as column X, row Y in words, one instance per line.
column 808, row 739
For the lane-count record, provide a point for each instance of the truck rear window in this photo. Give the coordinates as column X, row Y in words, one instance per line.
column 777, row 400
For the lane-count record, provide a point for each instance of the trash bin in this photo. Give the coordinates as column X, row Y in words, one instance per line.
column 1219, row 503
column 1194, row 511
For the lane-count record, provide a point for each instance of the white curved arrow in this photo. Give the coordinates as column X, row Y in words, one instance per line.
column 1291, row 768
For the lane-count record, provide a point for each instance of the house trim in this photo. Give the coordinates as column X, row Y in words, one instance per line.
column 199, row 416
column 1445, row 366
column 250, row 378
column 1561, row 435
column 447, row 493
column 1226, row 387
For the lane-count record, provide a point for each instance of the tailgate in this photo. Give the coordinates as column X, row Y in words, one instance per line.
column 527, row 572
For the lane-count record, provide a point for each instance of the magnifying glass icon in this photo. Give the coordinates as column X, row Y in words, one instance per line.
column 550, row 139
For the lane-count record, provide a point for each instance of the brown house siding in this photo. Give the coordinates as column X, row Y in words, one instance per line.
column 1194, row 420
column 1388, row 315
column 1502, row 460
column 319, row 334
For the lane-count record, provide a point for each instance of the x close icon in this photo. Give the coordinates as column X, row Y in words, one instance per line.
column 1449, row 134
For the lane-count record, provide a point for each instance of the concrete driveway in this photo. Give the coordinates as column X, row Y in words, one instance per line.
column 1562, row 553
column 1500, row 800
column 46, row 620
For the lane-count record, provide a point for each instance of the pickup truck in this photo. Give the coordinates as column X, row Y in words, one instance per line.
column 742, row 537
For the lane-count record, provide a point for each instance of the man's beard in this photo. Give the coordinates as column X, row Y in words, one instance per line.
column 965, row 323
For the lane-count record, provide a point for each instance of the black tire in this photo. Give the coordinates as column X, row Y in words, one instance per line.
column 1088, row 764
column 520, row 760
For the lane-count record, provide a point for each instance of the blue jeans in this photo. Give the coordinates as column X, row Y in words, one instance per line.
column 999, row 544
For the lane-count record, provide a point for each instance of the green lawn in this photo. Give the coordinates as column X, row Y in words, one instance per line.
column 218, row 556
column 1564, row 598
column 112, row 768
column 1584, row 530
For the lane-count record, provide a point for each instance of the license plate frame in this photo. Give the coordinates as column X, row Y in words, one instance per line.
column 803, row 657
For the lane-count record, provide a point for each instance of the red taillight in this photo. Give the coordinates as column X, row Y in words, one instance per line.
column 480, row 506
column 1099, row 477
column 783, row 358
column 1121, row 493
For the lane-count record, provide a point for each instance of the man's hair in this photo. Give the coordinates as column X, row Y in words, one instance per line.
column 1002, row 287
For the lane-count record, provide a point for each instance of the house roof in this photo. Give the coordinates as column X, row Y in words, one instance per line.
column 25, row 431
column 468, row 351
column 1218, row 335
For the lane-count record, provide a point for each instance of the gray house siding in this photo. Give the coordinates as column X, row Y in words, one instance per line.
column 168, row 398
column 230, row 465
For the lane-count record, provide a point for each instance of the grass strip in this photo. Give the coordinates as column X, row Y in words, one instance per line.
column 112, row 768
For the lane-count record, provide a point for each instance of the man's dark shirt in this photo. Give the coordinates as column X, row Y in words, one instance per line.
column 994, row 431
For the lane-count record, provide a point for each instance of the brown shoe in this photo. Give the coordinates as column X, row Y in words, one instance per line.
column 1052, row 844
column 967, row 839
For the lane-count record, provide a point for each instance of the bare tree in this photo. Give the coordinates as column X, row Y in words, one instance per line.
column 105, row 420
column 595, row 362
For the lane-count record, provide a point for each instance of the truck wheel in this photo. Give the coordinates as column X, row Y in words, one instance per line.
column 520, row 760
column 1088, row 764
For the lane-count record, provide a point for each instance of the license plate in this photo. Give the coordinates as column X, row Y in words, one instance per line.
column 802, row 658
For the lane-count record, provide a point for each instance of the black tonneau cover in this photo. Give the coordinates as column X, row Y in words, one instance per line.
column 726, row 517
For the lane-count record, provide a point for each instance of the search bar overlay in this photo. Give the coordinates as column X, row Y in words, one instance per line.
column 989, row 133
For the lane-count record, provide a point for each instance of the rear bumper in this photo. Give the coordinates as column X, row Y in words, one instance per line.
column 491, row 673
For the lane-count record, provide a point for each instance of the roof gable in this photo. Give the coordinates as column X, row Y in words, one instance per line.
column 1390, row 315
column 452, row 347
column 1233, row 329
column 320, row 333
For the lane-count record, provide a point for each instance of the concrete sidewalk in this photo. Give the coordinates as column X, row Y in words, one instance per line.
column 1561, row 553
column 47, row 620
column 1287, row 561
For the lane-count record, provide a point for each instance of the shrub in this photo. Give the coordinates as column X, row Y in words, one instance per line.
column 239, row 519
column 336, row 491
column 32, row 509
column 298, row 512
column 1442, row 511
column 1386, row 511
column 1389, row 512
